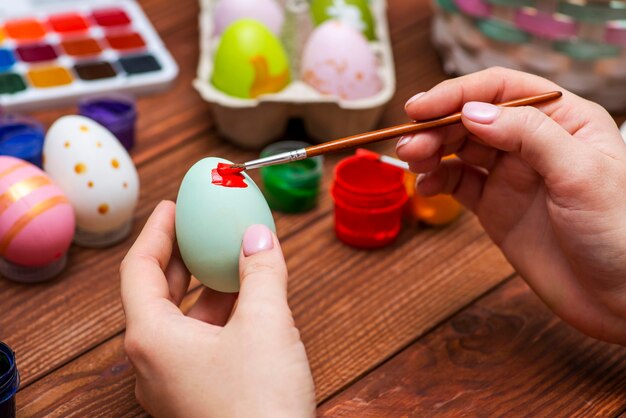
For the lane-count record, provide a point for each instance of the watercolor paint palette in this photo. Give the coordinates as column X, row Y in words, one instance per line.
column 54, row 52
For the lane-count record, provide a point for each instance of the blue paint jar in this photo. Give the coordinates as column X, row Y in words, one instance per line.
column 22, row 138
column 9, row 381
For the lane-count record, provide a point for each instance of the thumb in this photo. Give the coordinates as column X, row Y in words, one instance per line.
column 262, row 271
column 541, row 142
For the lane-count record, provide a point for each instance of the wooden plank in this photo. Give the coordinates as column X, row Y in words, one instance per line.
column 49, row 324
column 354, row 309
column 100, row 383
column 506, row 355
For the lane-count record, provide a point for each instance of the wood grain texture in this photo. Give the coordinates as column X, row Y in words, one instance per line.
column 355, row 309
column 506, row 355
column 81, row 308
column 99, row 383
column 353, row 312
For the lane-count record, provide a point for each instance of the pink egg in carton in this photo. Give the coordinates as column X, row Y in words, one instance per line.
column 255, row 122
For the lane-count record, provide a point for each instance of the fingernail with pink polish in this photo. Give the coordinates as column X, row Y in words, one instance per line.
column 256, row 239
column 414, row 99
column 480, row 112
column 403, row 141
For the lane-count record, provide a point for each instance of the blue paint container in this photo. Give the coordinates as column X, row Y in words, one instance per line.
column 9, row 381
column 7, row 60
column 21, row 137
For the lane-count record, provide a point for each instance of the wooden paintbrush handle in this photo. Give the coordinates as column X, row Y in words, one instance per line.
column 412, row 127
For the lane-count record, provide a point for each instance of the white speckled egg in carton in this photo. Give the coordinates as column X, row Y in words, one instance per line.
column 253, row 123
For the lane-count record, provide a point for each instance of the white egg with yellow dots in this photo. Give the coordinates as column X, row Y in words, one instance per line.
column 97, row 175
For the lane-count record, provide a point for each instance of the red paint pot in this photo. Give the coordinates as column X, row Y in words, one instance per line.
column 369, row 201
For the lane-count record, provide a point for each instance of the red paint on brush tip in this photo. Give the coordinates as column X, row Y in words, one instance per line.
column 227, row 176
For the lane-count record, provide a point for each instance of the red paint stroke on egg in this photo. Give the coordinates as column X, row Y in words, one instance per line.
column 227, row 176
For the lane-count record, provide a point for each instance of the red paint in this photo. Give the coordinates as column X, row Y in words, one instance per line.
column 123, row 41
column 227, row 176
column 68, row 22
column 111, row 17
column 365, row 153
column 369, row 200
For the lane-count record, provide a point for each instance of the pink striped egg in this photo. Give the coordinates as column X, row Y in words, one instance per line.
column 36, row 219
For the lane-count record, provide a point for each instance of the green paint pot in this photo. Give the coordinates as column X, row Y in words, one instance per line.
column 293, row 187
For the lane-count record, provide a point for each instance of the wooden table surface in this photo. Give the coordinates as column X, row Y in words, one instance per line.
column 437, row 324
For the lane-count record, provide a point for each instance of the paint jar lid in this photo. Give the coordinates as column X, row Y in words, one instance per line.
column 292, row 187
column 9, row 376
column 21, row 137
column 116, row 112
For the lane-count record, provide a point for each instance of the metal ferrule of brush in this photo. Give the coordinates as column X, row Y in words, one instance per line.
column 283, row 157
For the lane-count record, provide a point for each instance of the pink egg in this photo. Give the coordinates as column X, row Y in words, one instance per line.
column 339, row 61
column 267, row 12
column 36, row 219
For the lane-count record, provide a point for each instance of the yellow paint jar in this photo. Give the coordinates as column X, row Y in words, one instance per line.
column 436, row 211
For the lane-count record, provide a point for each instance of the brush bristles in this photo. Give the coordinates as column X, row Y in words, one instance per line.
column 238, row 166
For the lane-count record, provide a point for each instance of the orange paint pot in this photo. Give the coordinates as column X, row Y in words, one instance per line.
column 436, row 211
column 24, row 29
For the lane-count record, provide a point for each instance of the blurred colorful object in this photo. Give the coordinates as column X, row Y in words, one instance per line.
column 436, row 211
column 250, row 61
column 267, row 12
column 355, row 13
column 21, row 137
column 578, row 45
column 339, row 61
column 36, row 222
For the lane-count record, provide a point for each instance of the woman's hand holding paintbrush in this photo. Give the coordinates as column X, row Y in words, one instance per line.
column 548, row 187
column 375, row 136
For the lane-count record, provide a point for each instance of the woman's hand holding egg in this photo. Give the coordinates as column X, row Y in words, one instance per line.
column 215, row 360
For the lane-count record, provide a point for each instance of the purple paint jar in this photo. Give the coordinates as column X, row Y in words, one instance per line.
column 117, row 113
column 9, row 381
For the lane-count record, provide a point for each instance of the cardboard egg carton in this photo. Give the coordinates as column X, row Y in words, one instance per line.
column 253, row 123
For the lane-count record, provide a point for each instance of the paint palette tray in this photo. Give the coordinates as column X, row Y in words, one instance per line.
column 254, row 123
column 55, row 52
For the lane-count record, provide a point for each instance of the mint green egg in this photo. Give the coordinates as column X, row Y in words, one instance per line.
column 356, row 13
column 250, row 61
column 211, row 221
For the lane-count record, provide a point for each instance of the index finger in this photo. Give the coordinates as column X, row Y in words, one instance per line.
column 494, row 85
column 142, row 274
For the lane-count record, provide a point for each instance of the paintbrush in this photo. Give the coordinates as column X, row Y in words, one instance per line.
column 376, row 136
